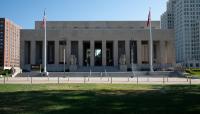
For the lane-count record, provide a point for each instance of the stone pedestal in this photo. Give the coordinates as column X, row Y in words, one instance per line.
column 134, row 67
column 44, row 73
column 123, row 68
column 73, row 68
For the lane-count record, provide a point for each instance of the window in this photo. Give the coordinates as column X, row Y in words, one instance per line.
column 191, row 65
column 197, row 64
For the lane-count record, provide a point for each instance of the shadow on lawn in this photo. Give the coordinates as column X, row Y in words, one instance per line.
column 102, row 102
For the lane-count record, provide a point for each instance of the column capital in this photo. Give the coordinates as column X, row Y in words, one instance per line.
column 80, row 40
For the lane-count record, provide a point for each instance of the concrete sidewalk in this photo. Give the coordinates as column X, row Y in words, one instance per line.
column 102, row 80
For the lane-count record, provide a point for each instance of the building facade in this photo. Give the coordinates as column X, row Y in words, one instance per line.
column 9, row 44
column 96, row 44
column 167, row 18
column 185, row 15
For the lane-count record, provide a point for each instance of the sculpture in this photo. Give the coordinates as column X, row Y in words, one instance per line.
column 122, row 60
column 12, row 70
column 73, row 65
column 73, row 60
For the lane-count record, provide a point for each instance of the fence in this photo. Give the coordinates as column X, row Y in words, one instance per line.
column 102, row 78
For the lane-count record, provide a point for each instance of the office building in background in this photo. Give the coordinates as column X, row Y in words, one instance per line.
column 183, row 16
column 9, row 44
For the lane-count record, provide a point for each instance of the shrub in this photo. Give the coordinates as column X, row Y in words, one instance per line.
column 5, row 72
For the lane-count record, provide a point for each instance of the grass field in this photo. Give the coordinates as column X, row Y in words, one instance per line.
column 99, row 99
column 194, row 72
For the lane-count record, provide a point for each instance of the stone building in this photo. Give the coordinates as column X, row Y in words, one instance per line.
column 96, row 45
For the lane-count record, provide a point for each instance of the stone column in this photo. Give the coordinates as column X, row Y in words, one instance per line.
column 139, row 47
column 171, row 58
column 127, row 49
column 91, row 53
column 104, row 53
column 162, row 52
column 80, row 53
column 22, row 53
column 115, row 52
column 33, row 50
column 56, row 54
column 68, row 53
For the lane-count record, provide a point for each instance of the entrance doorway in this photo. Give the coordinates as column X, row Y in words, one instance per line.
column 109, row 53
column 133, row 52
column 86, row 53
column 39, row 50
column 98, row 53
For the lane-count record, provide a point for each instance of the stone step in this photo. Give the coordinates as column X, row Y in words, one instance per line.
column 98, row 69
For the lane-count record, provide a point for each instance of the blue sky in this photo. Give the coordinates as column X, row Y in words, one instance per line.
column 25, row 12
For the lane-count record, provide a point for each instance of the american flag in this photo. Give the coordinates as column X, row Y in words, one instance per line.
column 44, row 20
column 149, row 18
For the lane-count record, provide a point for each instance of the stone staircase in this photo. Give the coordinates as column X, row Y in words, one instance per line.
column 17, row 71
column 98, row 69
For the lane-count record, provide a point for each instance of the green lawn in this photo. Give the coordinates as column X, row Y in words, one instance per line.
column 99, row 99
column 197, row 74
column 194, row 72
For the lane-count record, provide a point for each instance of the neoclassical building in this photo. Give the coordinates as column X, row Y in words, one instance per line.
column 96, row 45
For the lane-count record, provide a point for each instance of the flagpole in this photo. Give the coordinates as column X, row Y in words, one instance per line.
column 45, row 45
column 151, row 45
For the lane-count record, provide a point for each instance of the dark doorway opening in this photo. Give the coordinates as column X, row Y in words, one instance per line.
column 27, row 52
column 133, row 52
column 39, row 51
column 109, row 53
column 98, row 53
column 121, row 49
column 86, row 53
column 74, row 50
column 50, row 52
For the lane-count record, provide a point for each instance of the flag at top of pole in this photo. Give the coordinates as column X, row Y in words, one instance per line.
column 150, row 41
column 149, row 18
column 44, row 19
